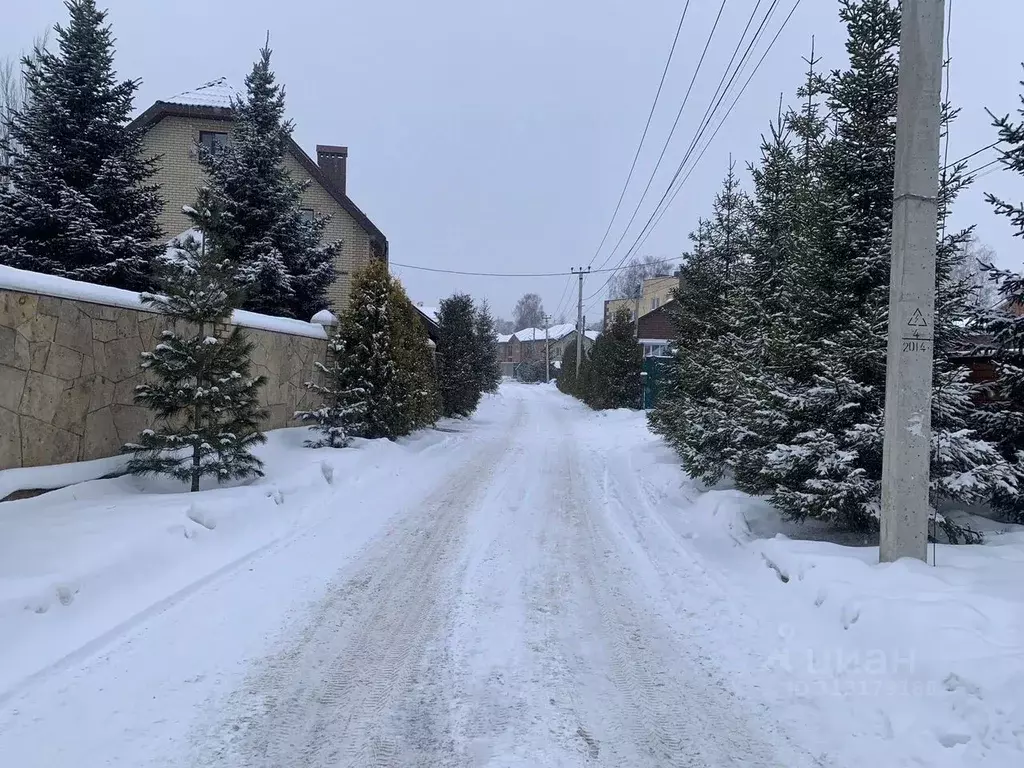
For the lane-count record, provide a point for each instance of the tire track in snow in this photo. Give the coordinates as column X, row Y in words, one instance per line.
column 670, row 708
column 364, row 683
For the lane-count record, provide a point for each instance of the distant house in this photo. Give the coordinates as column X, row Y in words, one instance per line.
column 655, row 330
column 174, row 129
column 656, row 292
column 528, row 345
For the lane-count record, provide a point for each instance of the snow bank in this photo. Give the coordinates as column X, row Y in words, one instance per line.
column 81, row 565
column 61, row 287
column 58, row 475
column 902, row 664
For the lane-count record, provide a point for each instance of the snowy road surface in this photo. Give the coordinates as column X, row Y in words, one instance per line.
column 510, row 594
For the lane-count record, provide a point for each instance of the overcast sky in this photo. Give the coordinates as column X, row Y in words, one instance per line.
column 495, row 136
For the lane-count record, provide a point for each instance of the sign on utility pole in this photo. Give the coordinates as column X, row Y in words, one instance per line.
column 908, row 384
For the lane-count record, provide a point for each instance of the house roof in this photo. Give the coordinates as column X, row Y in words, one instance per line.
column 212, row 101
column 216, row 93
column 430, row 312
column 530, row 334
column 503, row 338
column 555, row 333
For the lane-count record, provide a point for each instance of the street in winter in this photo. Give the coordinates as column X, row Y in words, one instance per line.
column 511, row 385
column 537, row 586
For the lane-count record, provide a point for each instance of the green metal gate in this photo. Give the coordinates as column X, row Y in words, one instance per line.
column 655, row 371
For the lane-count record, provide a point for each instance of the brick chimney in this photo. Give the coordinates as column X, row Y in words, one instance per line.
column 333, row 161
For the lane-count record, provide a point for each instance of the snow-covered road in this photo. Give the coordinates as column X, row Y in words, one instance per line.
column 508, row 597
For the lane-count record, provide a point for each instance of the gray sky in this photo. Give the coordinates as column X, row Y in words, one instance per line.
column 496, row 136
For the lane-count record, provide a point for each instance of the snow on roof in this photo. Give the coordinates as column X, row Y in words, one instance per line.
column 216, row 93
column 503, row 338
column 592, row 335
column 430, row 312
column 555, row 332
column 529, row 334
column 50, row 285
column 560, row 330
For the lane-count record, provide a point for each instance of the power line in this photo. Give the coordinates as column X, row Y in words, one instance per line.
column 983, row 167
column 671, row 132
column 714, row 104
column 728, row 112
column 506, row 274
column 973, row 154
column 643, row 137
column 647, row 229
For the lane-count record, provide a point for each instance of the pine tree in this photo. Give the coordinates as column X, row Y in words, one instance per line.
column 279, row 256
column 199, row 385
column 343, row 402
column 76, row 200
column 488, row 365
column 615, row 364
column 457, row 357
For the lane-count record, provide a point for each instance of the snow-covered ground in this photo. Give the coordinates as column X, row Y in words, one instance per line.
column 537, row 586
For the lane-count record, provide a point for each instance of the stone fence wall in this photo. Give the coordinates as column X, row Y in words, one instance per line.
column 69, row 366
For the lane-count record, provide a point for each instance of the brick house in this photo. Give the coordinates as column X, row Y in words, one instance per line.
column 173, row 130
column 655, row 330
column 655, row 292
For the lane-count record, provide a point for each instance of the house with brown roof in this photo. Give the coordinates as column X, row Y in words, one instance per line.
column 173, row 131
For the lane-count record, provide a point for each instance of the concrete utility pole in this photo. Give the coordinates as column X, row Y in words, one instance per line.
column 547, row 349
column 579, row 318
column 908, row 384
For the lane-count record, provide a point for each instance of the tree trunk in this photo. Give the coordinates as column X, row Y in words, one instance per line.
column 196, row 474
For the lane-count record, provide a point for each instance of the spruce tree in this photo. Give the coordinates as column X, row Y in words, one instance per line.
column 342, row 402
column 199, row 383
column 488, row 365
column 457, row 357
column 615, row 362
column 75, row 199
column 696, row 413
column 285, row 269
column 1003, row 416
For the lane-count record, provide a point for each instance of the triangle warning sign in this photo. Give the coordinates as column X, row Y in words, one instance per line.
column 917, row 320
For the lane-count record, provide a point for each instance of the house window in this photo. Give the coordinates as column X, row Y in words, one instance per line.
column 308, row 215
column 655, row 302
column 214, row 141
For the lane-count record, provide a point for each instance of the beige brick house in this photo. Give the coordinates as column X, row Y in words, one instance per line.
column 656, row 292
column 173, row 131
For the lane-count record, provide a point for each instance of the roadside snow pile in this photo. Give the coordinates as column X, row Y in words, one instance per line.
column 902, row 664
column 80, row 564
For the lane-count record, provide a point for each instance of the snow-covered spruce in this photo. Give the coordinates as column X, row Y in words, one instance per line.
column 199, row 384
column 284, row 267
column 779, row 376
column 75, row 198
column 1003, row 416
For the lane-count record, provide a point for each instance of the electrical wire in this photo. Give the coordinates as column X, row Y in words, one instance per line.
column 671, row 132
column 645, row 231
column 509, row 274
column 643, row 137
